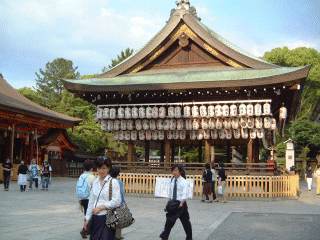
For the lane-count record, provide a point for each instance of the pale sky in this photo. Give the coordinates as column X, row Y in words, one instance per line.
column 92, row 32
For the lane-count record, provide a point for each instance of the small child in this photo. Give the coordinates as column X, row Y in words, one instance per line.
column 46, row 174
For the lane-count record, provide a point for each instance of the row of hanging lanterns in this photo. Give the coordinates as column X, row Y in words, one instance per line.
column 188, row 111
column 189, row 124
column 194, row 134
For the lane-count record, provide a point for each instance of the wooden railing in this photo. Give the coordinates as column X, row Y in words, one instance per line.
column 237, row 186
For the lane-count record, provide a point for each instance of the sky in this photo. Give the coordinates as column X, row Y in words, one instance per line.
column 92, row 32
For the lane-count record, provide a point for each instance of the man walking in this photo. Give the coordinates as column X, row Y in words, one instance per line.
column 178, row 196
column 7, row 168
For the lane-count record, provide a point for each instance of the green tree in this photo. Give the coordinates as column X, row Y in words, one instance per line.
column 49, row 85
column 298, row 57
column 114, row 62
column 30, row 94
column 305, row 134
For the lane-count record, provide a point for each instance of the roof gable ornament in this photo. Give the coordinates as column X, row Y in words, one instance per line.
column 182, row 8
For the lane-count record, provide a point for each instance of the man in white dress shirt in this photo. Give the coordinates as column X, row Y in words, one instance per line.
column 178, row 192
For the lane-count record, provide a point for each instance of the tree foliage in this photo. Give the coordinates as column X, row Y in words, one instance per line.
column 114, row 62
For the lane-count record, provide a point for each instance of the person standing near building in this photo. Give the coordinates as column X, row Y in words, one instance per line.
column 309, row 176
column 22, row 179
column 34, row 173
column 222, row 182
column 89, row 178
column 178, row 193
column 7, row 168
column 46, row 175
column 317, row 173
column 207, row 183
column 213, row 171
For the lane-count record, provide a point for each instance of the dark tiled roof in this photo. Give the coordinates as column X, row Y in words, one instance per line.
column 52, row 135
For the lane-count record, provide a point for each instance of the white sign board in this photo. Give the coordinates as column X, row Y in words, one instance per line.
column 163, row 187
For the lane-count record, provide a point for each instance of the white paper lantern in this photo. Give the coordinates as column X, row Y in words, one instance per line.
column 142, row 135
column 214, row 134
column 195, row 124
column 120, row 112
column 212, row 123
column 233, row 110
column 103, row 125
column 127, row 135
column 166, row 124
column 203, row 111
column 266, row 108
column 257, row 109
column 149, row 112
column 177, row 112
column 116, row 136
column 106, row 113
column 244, row 133
column 180, row 124
column 116, row 125
column 138, row 124
column 130, row 125
column 134, row 135
column 222, row 134
column 211, row 111
column 161, row 135
column 171, row 112
column 267, row 122
column 260, row 133
column 219, row 123
column 121, row 135
column 110, row 125
column 113, row 113
column 189, row 124
column 206, row 134
column 142, row 112
column 162, row 112
column 153, row 125
column 193, row 135
column 160, row 124
column 253, row 133
column 204, row 123
column 250, row 122
column 235, row 123
column 242, row 110
column 195, row 111
column 236, row 133
column 155, row 112
column 273, row 123
column 123, row 125
column 148, row 135
column 218, row 111
column 127, row 113
column 200, row 134
column 225, row 110
column 283, row 113
column 182, row 134
column 169, row 134
column 250, row 109
column 227, row 123
column 244, row 122
column 155, row 135
column 186, row 111
column 172, row 124
column 99, row 113
column 135, row 112
column 228, row 133
column 145, row 124
column 258, row 122
column 176, row 134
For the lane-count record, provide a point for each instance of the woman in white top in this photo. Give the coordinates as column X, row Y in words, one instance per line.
column 99, row 201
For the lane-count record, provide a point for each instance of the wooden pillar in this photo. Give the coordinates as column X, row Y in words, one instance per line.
column 24, row 153
column 11, row 142
column 207, row 151
column 167, row 153
column 31, row 139
column 200, row 151
column 147, row 151
column 229, row 151
column 172, row 153
column 256, row 148
column 162, row 152
column 212, row 154
column 130, row 152
column 249, row 151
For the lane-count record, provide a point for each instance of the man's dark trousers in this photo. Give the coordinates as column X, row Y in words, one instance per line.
column 6, row 180
column 171, row 220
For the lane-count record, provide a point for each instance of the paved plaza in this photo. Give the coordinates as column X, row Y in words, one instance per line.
column 37, row 214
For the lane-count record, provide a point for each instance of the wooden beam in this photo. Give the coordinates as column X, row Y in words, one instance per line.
column 167, row 150
column 207, row 151
column 250, row 148
column 162, row 152
column 200, row 150
column 130, row 151
column 147, row 151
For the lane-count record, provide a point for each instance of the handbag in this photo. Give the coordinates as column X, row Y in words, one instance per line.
column 172, row 206
column 120, row 217
column 220, row 189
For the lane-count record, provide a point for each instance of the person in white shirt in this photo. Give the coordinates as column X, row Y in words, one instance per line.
column 99, row 201
column 88, row 167
column 178, row 193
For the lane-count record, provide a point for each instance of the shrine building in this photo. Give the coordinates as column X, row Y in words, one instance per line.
column 190, row 86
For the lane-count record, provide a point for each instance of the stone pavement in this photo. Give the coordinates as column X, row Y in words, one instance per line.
column 35, row 214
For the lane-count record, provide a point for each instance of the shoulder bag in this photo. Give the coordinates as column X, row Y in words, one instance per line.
column 120, row 217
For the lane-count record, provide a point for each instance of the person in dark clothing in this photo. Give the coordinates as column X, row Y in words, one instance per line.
column 207, row 183
column 222, row 182
column 7, row 168
column 309, row 176
column 22, row 179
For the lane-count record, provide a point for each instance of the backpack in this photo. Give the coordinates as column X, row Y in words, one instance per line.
column 82, row 188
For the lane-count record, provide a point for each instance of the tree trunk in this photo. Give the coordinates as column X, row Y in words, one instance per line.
column 304, row 163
